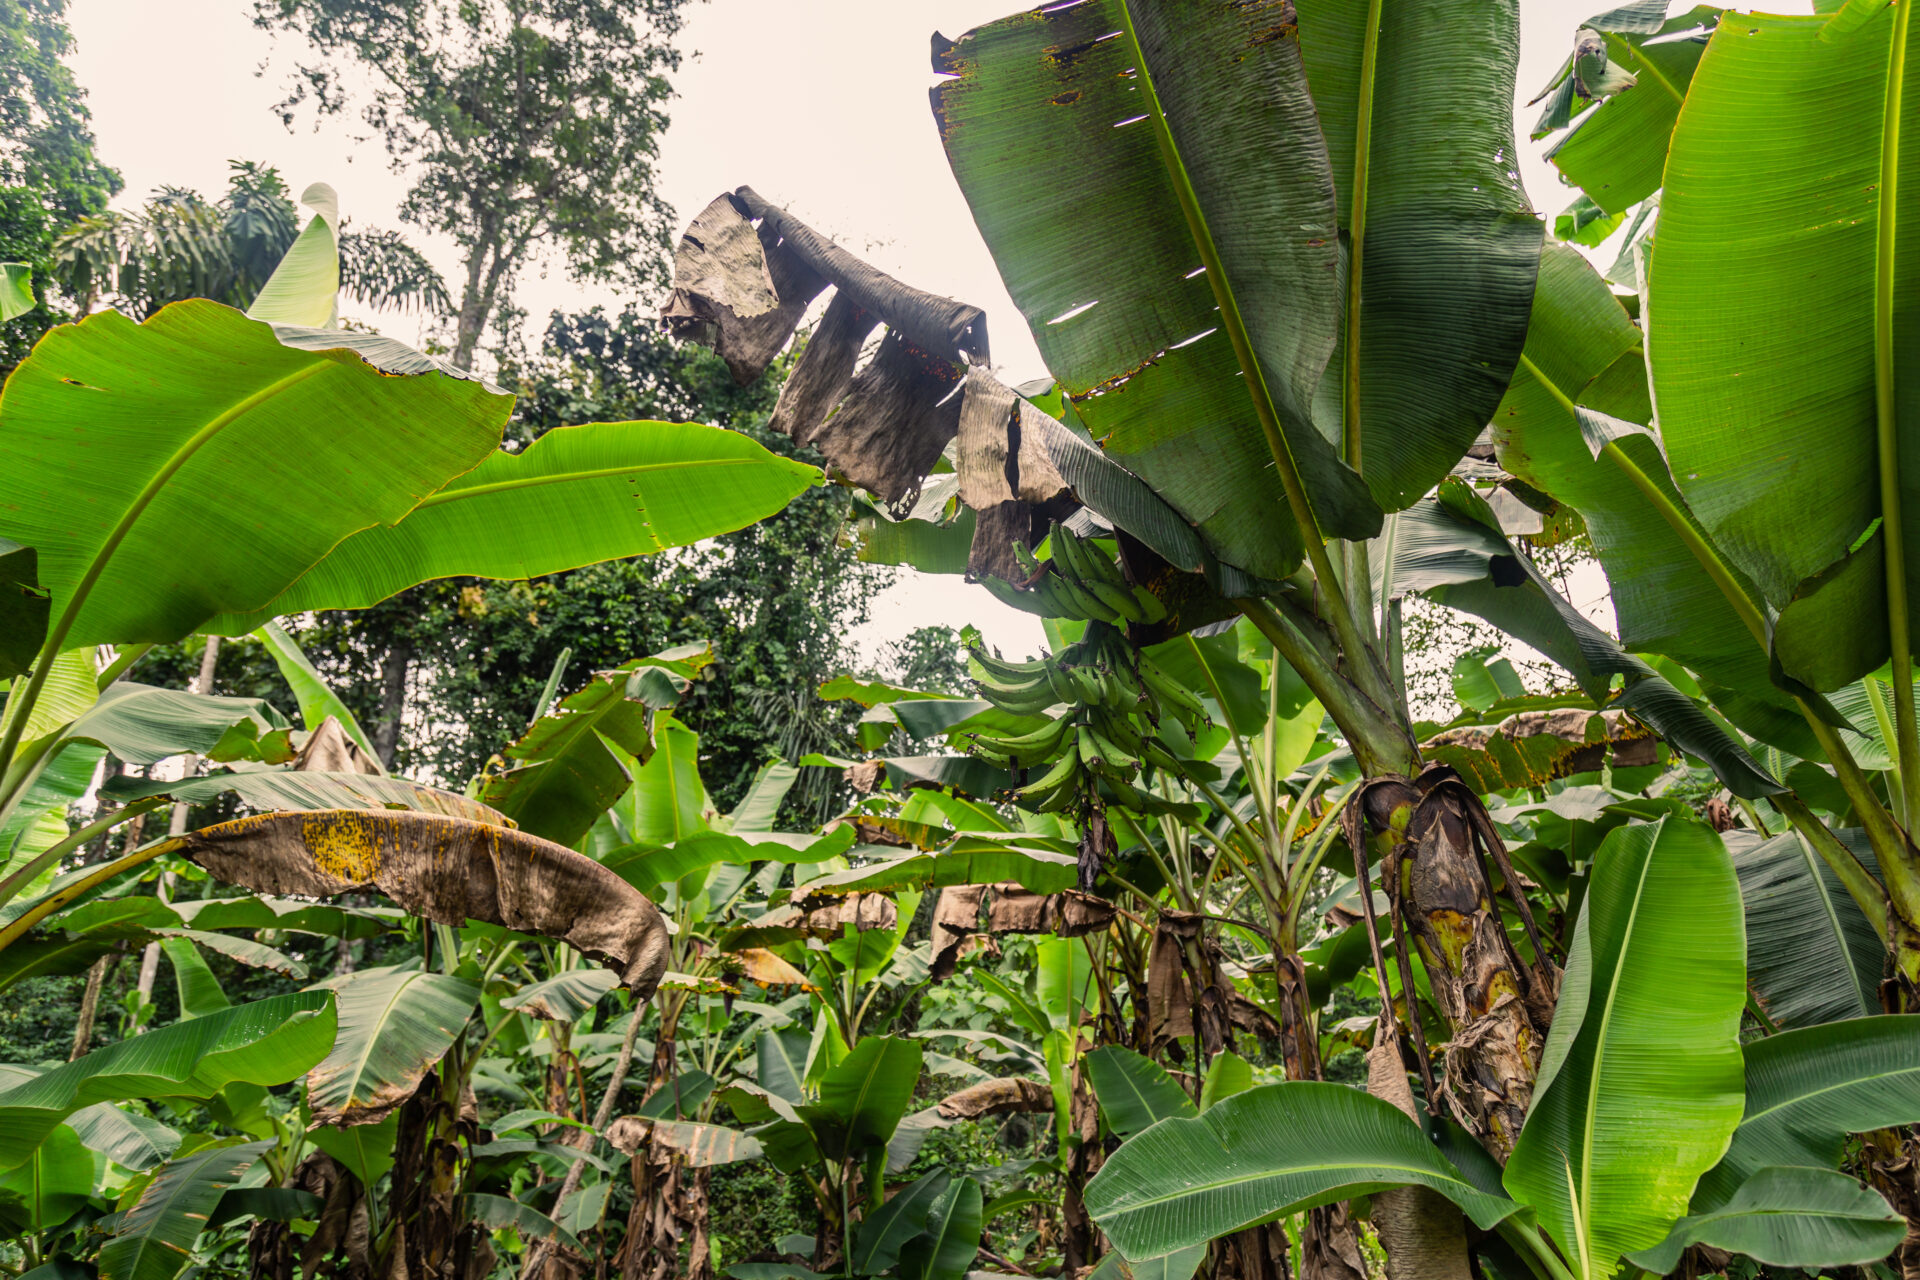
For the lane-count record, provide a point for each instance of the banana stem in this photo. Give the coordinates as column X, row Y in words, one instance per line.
column 1379, row 742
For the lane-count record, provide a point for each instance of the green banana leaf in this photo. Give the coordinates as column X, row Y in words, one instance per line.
column 1444, row 243
column 782, row 1059
column 576, row 496
column 50, row 1185
column 39, row 821
column 946, row 1246
column 96, row 928
column 1639, row 1085
column 565, row 997
column 1462, row 561
column 16, row 290
column 395, row 1024
column 863, row 1096
column 1261, row 1154
column 211, row 451
column 1812, row 956
column 1116, row 295
column 569, row 767
column 144, row 725
column 317, row 700
column 1789, row 1217
column 266, row 1042
column 200, row 991
column 1808, row 1089
column 919, row 544
column 976, row 858
column 498, row 1212
column 304, row 288
column 1583, row 350
column 294, row 789
column 1617, row 152
column 1134, row 1092
column 1771, row 429
column 884, row 1232
column 127, row 1138
column 760, row 805
column 646, row 867
column 365, row 1149
column 155, row 1236
column 668, row 801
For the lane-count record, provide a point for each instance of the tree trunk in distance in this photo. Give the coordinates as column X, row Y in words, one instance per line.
column 393, row 701
column 89, row 1004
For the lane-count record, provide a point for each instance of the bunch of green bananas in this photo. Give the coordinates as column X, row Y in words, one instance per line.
column 1095, row 746
column 1081, row 582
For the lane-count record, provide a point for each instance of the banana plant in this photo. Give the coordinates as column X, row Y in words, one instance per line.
column 231, row 393
column 1625, row 1152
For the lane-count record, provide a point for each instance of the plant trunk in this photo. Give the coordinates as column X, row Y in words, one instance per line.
column 1424, row 1235
column 89, row 1004
column 538, row 1255
column 393, row 700
column 1431, row 838
column 427, row 1237
column 1080, row 1243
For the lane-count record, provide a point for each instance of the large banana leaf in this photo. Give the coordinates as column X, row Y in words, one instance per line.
column 1812, row 956
column 129, row 1139
column 863, row 1096
column 884, row 1232
column 155, row 1236
column 1808, row 1089
column 668, row 801
column 200, row 992
column 206, row 455
column 266, row 1042
column 1270, row 1151
column 576, row 496
column 395, row 1024
column 1135, row 1092
column 1776, row 432
column 1789, row 1217
column 646, row 867
column 1639, row 1085
column 1116, row 296
column 1193, row 305
column 1584, row 350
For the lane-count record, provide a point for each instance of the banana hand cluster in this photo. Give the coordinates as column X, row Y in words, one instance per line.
column 1096, row 747
column 1080, row 582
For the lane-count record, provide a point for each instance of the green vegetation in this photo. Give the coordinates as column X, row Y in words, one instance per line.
column 442, row 832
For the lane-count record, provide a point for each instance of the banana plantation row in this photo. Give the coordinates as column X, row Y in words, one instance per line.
column 1182, row 949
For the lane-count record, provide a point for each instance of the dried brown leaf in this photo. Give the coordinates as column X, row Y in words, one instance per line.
column 450, row 870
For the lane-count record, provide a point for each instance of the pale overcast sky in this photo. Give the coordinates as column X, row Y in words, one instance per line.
column 819, row 104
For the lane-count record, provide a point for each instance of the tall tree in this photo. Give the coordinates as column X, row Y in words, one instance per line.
column 530, row 127
column 49, row 174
